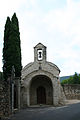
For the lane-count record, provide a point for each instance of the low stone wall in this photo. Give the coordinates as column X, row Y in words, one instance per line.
column 4, row 99
column 72, row 91
column 1, row 100
column 7, row 97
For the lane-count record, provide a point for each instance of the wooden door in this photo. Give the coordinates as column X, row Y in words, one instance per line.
column 41, row 95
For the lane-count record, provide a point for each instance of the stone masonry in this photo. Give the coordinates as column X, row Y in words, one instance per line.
column 5, row 109
column 72, row 91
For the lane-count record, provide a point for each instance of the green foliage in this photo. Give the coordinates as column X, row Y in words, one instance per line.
column 72, row 80
column 6, row 47
column 64, row 82
column 76, row 79
column 12, row 49
column 1, row 76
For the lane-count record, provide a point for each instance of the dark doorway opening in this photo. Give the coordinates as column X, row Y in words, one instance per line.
column 41, row 95
column 15, row 97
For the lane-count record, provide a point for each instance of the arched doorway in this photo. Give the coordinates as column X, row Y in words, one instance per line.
column 41, row 90
column 41, row 95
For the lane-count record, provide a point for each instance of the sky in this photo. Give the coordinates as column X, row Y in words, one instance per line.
column 54, row 23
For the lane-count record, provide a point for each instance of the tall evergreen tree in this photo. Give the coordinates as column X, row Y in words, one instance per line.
column 1, row 76
column 13, row 56
column 5, row 49
column 15, row 43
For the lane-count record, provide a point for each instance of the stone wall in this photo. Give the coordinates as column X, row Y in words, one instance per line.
column 1, row 99
column 5, row 109
column 7, row 104
column 72, row 91
column 8, row 99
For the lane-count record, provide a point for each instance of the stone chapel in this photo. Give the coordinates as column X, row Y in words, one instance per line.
column 40, row 83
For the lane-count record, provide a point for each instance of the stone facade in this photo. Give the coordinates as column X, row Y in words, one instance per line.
column 40, row 82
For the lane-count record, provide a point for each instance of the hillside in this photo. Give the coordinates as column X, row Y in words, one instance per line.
column 64, row 78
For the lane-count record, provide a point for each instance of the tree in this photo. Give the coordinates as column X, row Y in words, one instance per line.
column 5, row 49
column 64, row 82
column 13, row 51
column 16, row 48
column 75, row 79
column 1, row 76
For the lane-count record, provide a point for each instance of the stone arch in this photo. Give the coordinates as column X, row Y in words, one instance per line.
column 41, row 84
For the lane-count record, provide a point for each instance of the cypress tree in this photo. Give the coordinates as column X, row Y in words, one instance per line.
column 5, row 48
column 15, row 45
column 13, row 48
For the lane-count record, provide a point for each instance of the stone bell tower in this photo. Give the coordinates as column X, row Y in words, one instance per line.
column 39, row 53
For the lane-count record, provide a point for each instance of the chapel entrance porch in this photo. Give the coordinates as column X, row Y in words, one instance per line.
column 41, row 90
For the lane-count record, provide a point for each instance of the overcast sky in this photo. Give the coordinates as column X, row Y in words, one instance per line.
column 54, row 23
